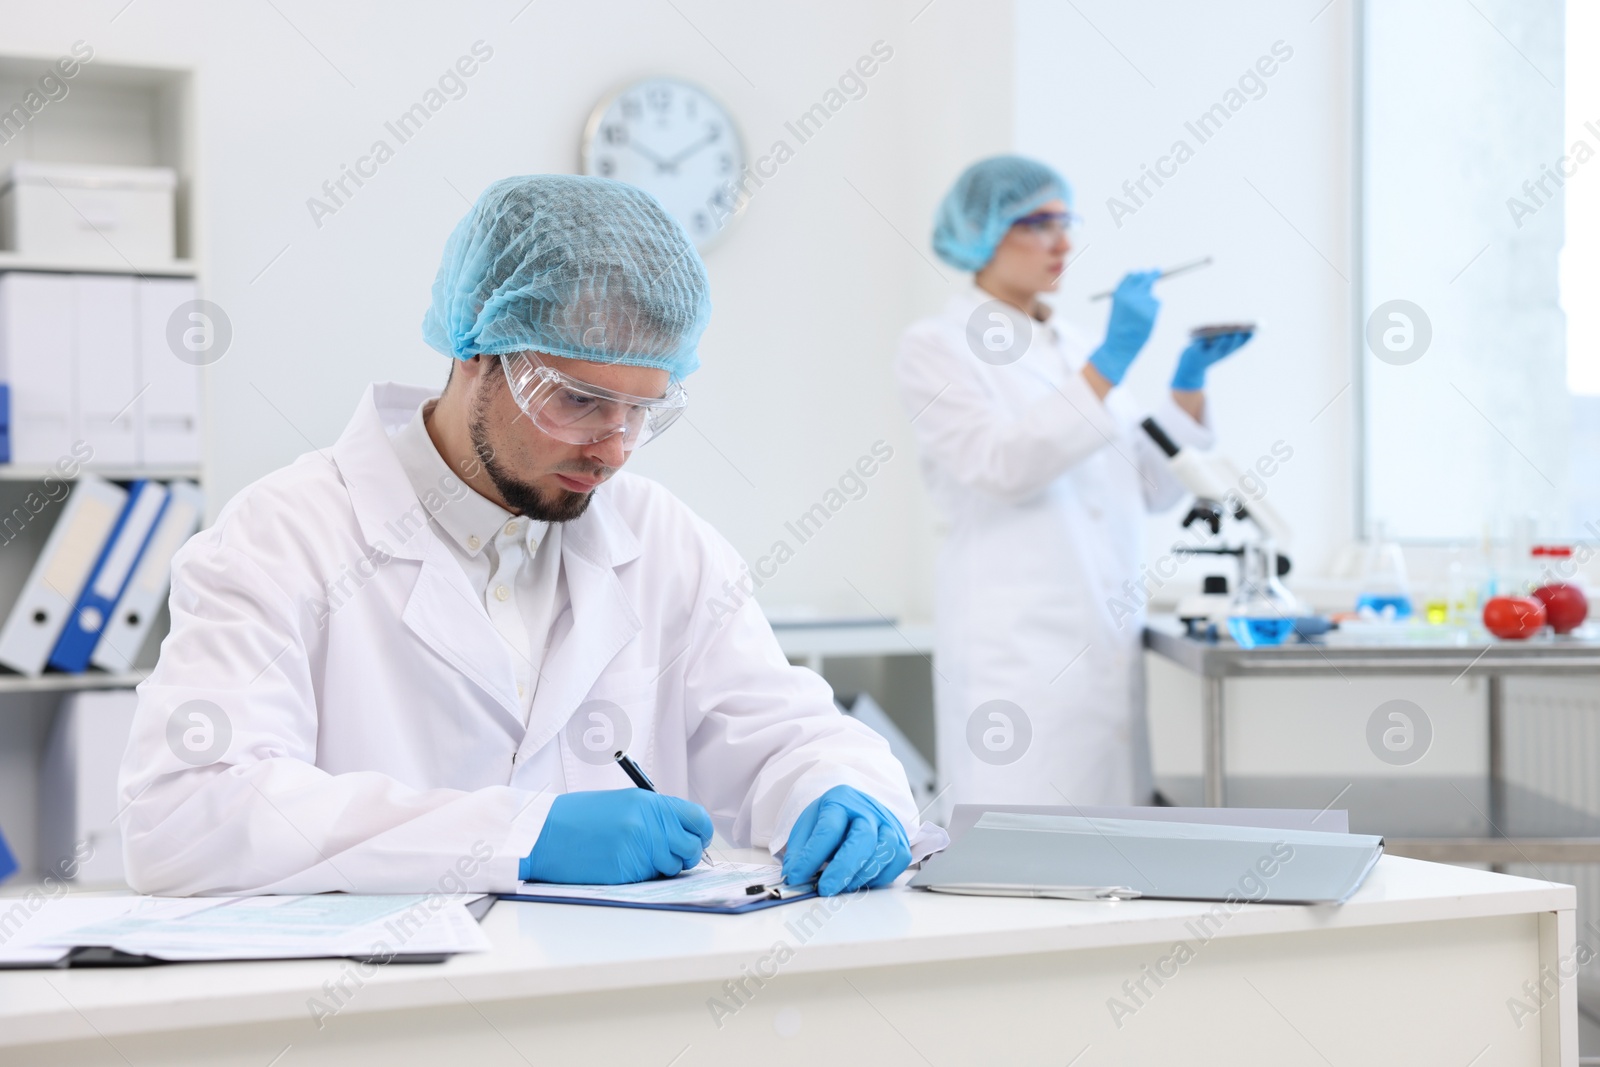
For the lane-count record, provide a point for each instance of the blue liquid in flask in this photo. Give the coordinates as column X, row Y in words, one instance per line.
column 1260, row 633
column 1379, row 602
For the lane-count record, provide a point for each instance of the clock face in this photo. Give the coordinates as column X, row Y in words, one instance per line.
column 674, row 141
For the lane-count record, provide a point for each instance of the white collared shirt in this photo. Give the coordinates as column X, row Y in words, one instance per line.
column 512, row 562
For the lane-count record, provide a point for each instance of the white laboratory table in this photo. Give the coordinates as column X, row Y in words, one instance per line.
column 1420, row 967
column 811, row 643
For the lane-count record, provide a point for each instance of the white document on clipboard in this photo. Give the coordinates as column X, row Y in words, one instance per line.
column 719, row 887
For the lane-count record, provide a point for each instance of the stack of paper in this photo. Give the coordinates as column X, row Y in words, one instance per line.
column 247, row 928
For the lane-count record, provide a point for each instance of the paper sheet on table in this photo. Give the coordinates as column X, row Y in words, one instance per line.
column 718, row 884
column 269, row 927
column 28, row 923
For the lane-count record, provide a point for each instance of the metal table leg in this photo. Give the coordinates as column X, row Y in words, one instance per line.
column 1212, row 709
column 1497, row 760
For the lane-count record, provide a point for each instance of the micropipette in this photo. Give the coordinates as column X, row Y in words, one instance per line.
column 1183, row 269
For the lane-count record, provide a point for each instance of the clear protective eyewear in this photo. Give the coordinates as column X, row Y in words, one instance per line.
column 580, row 413
column 1047, row 225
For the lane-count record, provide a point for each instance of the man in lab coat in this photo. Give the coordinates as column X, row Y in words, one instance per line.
column 412, row 657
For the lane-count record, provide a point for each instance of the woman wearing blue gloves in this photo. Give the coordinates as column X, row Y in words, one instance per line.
column 1037, row 464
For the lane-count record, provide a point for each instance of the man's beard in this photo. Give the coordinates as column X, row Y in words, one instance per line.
column 521, row 496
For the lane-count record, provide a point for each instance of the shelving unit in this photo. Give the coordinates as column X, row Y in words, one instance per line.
column 177, row 268
column 15, row 473
column 117, row 115
column 66, row 683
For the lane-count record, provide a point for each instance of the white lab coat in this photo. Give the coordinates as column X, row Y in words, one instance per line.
column 377, row 740
column 1044, row 489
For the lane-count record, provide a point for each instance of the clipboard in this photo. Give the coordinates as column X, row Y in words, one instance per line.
column 721, row 889
column 703, row 909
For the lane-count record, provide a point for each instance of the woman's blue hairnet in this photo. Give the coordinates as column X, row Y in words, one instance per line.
column 590, row 268
column 988, row 197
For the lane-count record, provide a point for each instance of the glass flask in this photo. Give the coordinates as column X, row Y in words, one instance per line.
column 1383, row 590
column 1263, row 611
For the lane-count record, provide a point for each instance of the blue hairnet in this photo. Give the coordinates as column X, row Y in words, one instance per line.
column 590, row 268
column 988, row 197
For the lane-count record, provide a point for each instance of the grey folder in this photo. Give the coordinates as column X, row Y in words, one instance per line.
column 1020, row 854
column 1333, row 820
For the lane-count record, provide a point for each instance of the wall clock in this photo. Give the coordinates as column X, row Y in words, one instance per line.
column 675, row 141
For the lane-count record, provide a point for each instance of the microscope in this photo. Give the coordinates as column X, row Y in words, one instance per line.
column 1259, row 610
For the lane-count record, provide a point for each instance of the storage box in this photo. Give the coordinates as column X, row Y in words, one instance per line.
column 117, row 216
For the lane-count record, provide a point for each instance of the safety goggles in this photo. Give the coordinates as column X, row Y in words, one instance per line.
column 1047, row 225
column 580, row 413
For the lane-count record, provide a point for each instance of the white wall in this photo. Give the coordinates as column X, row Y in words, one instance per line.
column 811, row 286
column 1104, row 89
column 1269, row 195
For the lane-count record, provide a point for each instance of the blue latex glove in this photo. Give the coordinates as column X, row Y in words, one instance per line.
column 612, row 836
column 1194, row 361
column 1133, row 316
column 860, row 841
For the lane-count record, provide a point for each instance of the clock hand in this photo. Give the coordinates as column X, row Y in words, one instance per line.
column 692, row 149
column 661, row 164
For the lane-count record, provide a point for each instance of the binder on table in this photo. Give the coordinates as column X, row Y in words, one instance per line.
column 1018, row 854
column 721, row 888
column 1331, row 820
column 84, row 624
column 37, row 341
column 135, row 612
column 58, row 576
column 107, row 372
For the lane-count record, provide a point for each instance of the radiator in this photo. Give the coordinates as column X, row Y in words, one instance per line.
column 1552, row 745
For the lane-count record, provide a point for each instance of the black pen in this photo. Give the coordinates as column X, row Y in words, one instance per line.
column 640, row 779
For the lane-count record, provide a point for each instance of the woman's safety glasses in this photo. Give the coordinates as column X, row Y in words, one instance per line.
column 1046, row 225
column 581, row 414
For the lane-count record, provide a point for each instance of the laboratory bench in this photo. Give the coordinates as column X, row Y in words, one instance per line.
column 1459, row 820
column 813, row 642
column 1420, row 966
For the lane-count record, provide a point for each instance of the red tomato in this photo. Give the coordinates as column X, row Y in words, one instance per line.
column 1514, row 617
column 1564, row 605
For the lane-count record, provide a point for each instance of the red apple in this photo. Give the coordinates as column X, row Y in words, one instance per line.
column 1564, row 605
column 1513, row 617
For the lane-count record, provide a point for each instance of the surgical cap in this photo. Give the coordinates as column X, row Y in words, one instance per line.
column 589, row 268
column 989, row 196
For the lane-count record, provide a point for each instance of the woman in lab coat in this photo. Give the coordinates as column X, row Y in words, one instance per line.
column 1043, row 478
